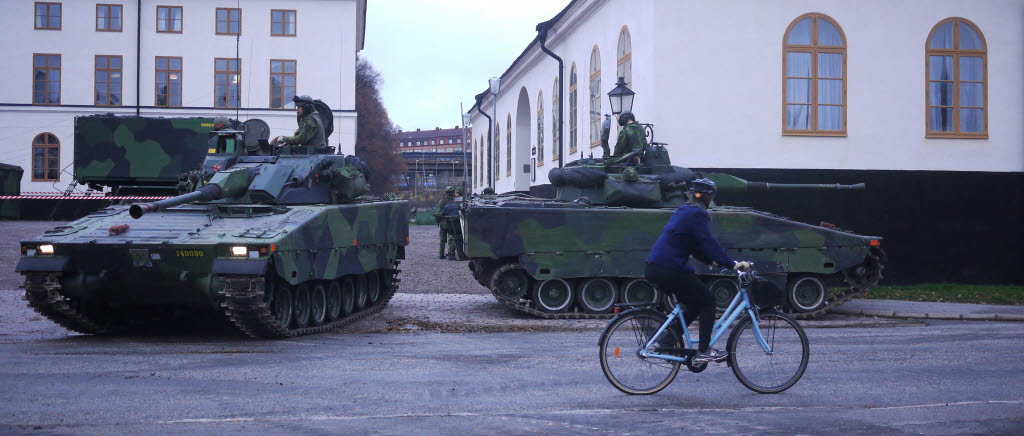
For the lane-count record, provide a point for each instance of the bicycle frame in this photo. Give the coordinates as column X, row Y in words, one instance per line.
column 739, row 305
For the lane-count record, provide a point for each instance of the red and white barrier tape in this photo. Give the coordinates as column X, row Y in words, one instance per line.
column 75, row 197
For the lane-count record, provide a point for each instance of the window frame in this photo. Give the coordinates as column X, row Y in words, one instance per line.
column 573, row 111
column 46, row 147
column 481, row 159
column 228, row 88
column 497, row 150
column 109, row 7
column 169, row 19
column 60, row 21
column 169, row 70
column 956, row 52
column 46, row 81
column 814, row 49
column 283, row 73
column 540, row 128
column 108, row 70
column 555, row 96
column 216, row 21
column 595, row 97
column 508, row 146
column 284, row 15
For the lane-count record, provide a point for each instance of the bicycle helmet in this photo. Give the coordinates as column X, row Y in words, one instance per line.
column 702, row 187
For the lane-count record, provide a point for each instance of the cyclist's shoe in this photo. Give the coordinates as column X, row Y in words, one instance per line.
column 712, row 355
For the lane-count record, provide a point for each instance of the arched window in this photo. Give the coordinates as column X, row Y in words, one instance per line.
column 624, row 64
column 508, row 146
column 540, row 128
column 45, row 158
column 595, row 97
column 483, row 170
column 572, row 110
column 554, row 120
column 814, row 68
column 497, row 150
column 957, row 67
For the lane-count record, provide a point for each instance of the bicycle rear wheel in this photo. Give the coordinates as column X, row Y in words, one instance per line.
column 769, row 372
column 620, row 353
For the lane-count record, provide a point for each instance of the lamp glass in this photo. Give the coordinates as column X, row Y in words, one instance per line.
column 467, row 119
column 495, row 84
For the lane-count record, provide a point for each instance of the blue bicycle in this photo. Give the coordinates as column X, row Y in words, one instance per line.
column 642, row 348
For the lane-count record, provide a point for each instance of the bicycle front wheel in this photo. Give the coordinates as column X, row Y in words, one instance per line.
column 621, row 361
column 775, row 370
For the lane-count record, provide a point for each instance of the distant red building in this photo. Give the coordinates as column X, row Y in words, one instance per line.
column 437, row 140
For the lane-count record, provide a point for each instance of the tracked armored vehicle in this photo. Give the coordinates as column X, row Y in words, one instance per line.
column 577, row 255
column 283, row 241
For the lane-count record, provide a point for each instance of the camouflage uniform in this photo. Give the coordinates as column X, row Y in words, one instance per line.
column 631, row 138
column 310, row 132
column 442, row 224
column 449, row 228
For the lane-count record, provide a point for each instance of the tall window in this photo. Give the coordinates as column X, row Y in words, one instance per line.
column 168, row 19
column 957, row 90
column 48, row 16
column 168, row 81
column 814, row 67
column 554, row 120
column 108, row 18
column 45, row 158
column 282, row 22
column 497, row 151
column 508, row 146
column 108, row 80
column 595, row 97
column 481, row 160
column 45, row 78
column 624, row 63
column 573, row 118
column 282, row 83
column 227, row 82
column 540, row 128
column 229, row 21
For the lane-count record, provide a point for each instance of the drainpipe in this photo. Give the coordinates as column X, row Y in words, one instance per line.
column 490, row 136
column 138, row 55
column 542, row 35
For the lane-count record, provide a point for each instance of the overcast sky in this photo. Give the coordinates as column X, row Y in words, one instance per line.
column 434, row 54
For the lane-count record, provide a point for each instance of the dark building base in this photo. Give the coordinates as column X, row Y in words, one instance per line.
column 49, row 209
column 937, row 226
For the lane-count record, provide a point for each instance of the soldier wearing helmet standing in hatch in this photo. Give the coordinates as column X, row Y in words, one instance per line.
column 311, row 128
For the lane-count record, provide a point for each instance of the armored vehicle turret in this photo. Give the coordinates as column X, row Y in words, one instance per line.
column 577, row 255
column 283, row 240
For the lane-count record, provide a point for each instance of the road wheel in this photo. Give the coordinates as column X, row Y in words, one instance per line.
column 597, row 295
column 639, row 291
column 360, row 292
column 553, row 296
column 724, row 289
column 373, row 291
column 300, row 305
column 806, row 293
column 282, row 305
column 348, row 295
column 318, row 304
column 510, row 282
column 333, row 300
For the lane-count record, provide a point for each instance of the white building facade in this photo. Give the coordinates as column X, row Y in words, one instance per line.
column 926, row 85
column 168, row 58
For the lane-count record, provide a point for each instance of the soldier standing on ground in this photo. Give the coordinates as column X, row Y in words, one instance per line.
column 311, row 128
column 442, row 222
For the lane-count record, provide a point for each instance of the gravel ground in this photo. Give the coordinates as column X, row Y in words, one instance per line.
column 434, row 295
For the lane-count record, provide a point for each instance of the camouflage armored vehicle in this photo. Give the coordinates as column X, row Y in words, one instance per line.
column 579, row 254
column 285, row 242
column 145, row 155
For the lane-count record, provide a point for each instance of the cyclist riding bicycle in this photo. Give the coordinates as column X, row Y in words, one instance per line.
column 688, row 233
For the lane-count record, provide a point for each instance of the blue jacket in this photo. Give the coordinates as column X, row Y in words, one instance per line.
column 688, row 234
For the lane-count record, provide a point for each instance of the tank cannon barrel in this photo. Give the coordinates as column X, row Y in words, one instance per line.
column 730, row 183
column 205, row 193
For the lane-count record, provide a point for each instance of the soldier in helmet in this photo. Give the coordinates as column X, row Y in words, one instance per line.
column 442, row 221
column 688, row 233
column 631, row 137
column 488, row 191
column 222, row 123
column 311, row 128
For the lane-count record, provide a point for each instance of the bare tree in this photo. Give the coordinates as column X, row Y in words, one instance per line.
column 376, row 135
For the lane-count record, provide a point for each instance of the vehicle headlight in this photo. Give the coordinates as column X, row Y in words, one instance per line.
column 239, row 251
column 46, row 249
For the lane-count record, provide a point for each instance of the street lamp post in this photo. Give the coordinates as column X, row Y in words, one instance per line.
column 621, row 98
column 466, row 119
column 495, row 87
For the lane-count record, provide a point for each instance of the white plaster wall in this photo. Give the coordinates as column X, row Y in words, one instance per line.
column 324, row 48
column 709, row 76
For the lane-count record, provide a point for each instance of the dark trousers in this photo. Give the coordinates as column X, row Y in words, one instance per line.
column 691, row 292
